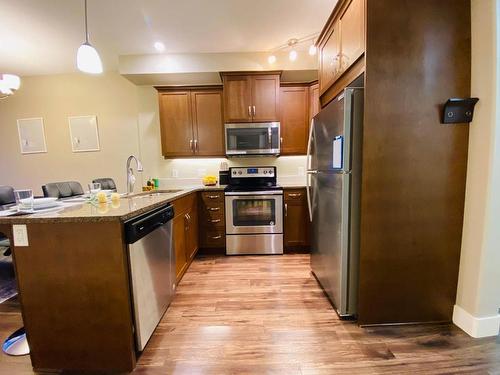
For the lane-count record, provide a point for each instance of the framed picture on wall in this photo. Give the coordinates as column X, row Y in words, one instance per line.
column 84, row 134
column 31, row 135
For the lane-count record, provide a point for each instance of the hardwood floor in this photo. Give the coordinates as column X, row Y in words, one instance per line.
column 267, row 315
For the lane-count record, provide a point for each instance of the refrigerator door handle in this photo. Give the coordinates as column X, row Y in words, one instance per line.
column 309, row 171
column 309, row 143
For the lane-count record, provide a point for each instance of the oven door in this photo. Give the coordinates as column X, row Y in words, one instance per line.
column 253, row 139
column 254, row 213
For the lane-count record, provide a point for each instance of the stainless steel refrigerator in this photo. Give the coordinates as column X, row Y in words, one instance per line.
column 333, row 192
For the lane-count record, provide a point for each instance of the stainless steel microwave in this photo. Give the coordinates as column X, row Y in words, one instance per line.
column 261, row 138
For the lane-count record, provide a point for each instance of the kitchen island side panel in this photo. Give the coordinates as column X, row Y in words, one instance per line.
column 75, row 296
column 418, row 55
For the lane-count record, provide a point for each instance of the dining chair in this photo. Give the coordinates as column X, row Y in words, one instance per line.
column 107, row 183
column 65, row 189
column 16, row 344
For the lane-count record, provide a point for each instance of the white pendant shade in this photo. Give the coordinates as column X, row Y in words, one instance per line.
column 9, row 83
column 88, row 60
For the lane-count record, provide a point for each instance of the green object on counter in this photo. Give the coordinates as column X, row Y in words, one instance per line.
column 156, row 182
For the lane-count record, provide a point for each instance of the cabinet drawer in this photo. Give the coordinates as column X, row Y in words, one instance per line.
column 183, row 204
column 210, row 197
column 213, row 238
column 213, row 222
column 295, row 195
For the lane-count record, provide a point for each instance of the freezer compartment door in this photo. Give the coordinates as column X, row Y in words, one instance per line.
column 330, row 237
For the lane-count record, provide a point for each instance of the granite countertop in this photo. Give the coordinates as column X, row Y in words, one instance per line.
column 126, row 208
column 122, row 210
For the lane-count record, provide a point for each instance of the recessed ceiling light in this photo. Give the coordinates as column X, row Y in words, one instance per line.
column 292, row 55
column 271, row 59
column 312, row 50
column 159, row 46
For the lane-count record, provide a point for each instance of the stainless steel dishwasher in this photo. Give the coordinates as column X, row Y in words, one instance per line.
column 152, row 269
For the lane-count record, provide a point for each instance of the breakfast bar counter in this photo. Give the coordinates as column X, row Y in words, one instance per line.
column 73, row 276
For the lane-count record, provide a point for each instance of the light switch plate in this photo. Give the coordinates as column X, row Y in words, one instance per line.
column 20, row 233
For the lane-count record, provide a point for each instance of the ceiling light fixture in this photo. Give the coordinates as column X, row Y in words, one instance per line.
column 9, row 84
column 312, row 49
column 292, row 55
column 271, row 59
column 159, row 46
column 87, row 58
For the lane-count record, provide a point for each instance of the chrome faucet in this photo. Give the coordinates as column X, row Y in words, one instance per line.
column 130, row 173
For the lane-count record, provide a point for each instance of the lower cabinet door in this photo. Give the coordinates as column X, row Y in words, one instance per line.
column 179, row 228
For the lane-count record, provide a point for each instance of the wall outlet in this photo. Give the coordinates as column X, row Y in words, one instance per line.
column 20, row 233
column 175, row 173
column 301, row 171
column 202, row 172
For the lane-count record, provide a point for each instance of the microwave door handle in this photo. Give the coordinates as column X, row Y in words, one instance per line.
column 270, row 137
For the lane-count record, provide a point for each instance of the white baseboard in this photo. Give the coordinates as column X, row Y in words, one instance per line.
column 476, row 327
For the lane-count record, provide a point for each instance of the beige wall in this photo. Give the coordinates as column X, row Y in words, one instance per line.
column 479, row 280
column 111, row 97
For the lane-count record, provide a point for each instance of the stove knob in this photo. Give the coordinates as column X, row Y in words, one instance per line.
column 239, row 172
column 265, row 171
column 234, row 172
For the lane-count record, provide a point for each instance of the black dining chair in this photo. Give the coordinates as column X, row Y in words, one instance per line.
column 64, row 189
column 16, row 343
column 107, row 183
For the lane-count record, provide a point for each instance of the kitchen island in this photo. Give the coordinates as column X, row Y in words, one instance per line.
column 73, row 276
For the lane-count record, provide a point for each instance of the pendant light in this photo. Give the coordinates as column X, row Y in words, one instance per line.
column 9, row 83
column 87, row 58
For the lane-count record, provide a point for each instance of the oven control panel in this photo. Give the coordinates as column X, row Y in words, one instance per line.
column 252, row 172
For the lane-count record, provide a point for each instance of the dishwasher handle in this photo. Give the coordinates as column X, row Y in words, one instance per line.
column 140, row 226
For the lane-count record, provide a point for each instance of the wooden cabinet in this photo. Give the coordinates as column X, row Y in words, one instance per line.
column 191, row 122
column 185, row 229
column 329, row 55
column 341, row 43
column 294, row 120
column 314, row 105
column 212, row 220
column 208, row 128
column 352, row 34
column 251, row 97
column 296, row 230
column 176, row 123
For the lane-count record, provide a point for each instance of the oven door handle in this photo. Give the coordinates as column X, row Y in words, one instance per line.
column 252, row 194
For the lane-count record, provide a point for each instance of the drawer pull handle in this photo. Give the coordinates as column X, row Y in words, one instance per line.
column 217, row 237
column 295, row 195
column 214, row 208
column 213, row 196
column 215, row 221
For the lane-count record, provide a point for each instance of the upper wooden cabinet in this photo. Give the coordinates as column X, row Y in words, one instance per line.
column 352, row 34
column 294, row 125
column 341, row 43
column 314, row 105
column 251, row 97
column 191, row 122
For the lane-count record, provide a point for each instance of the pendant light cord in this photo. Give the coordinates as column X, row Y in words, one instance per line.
column 86, row 28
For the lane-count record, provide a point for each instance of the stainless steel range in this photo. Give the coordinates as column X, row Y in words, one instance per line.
column 254, row 212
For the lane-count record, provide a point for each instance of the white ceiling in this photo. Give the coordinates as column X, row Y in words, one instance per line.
column 42, row 36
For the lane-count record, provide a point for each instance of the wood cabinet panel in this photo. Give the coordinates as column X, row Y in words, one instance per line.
column 294, row 120
column 212, row 221
column 207, row 122
column 179, row 227
column 330, row 59
column 237, row 98
column 296, row 229
column 265, row 97
column 176, row 123
column 314, row 104
column 352, row 34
